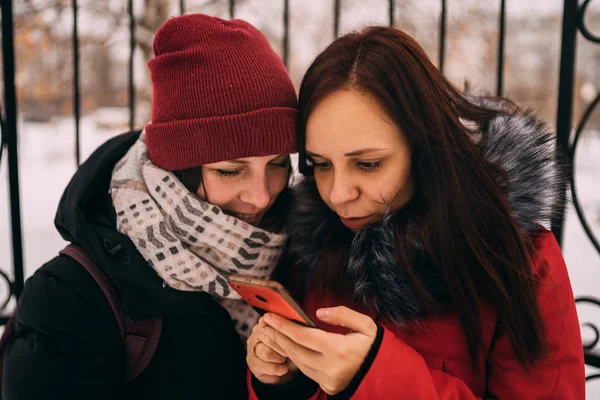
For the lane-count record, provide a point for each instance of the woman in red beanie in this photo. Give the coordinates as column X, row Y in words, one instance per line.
column 419, row 242
column 166, row 215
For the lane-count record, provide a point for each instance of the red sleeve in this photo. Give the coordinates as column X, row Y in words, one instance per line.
column 251, row 393
column 399, row 369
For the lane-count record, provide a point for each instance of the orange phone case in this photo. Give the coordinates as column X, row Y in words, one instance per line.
column 270, row 296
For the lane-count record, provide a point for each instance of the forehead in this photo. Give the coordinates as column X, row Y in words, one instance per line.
column 250, row 160
column 346, row 120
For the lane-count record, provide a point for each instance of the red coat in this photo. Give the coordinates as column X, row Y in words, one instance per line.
column 436, row 364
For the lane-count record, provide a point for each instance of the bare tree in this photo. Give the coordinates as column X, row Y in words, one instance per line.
column 53, row 20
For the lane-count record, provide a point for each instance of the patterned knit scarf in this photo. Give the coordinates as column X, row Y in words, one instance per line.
column 190, row 243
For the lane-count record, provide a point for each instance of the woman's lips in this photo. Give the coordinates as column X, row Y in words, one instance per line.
column 251, row 219
column 355, row 223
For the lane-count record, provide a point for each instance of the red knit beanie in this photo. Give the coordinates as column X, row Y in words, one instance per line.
column 219, row 92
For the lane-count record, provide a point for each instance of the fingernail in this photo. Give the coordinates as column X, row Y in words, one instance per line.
column 323, row 313
column 267, row 318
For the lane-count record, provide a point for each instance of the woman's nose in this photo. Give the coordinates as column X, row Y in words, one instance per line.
column 257, row 193
column 342, row 190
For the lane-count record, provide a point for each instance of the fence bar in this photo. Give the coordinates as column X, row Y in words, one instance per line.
column 442, row 51
column 565, row 103
column 336, row 18
column 391, row 7
column 181, row 7
column 10, row 136
column 500, row 81
column 76, row 98
column 286, row 32
column 231, row 9
column 572, row 152
column 131, row 54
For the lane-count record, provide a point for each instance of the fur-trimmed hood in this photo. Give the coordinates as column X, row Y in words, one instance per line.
column 518, row 143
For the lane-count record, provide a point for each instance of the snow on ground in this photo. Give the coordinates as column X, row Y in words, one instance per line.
column 47, row 162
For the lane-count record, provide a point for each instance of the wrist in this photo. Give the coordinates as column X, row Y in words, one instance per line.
column 288, row 377
column 348, row 392
column 299, row 388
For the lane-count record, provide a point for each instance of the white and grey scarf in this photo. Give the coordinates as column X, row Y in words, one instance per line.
column 191, row 244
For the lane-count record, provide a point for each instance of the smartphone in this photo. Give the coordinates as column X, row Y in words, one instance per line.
column 270, row 296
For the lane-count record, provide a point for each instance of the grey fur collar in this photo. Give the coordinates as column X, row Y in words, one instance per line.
column 519, row 144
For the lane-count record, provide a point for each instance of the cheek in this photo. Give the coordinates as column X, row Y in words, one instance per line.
column 277, row 180
column 216, row 191
column 387, row 185
column 382, row 191
column 323, row 181
column 404, row 172
column 393, row 183
column 403, row 187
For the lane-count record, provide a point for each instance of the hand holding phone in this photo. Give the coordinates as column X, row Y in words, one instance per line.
column 270, row 296
column 268, row 364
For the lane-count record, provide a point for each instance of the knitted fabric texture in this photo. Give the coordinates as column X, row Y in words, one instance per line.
column 191, row 244
column 219, row 92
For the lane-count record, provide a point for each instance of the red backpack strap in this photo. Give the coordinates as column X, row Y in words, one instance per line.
column 141, row 341
column 140, row 338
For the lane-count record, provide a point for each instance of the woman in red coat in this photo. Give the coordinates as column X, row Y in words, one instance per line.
column 419, row 243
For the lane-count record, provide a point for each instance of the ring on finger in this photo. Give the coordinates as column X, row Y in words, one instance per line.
column 255, row 346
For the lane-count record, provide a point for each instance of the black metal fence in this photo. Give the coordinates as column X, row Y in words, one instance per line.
column 572, row 24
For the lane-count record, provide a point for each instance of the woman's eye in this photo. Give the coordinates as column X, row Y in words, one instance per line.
column 281, row 164
column 322, row 165
column 227, row 173
column 369, row 166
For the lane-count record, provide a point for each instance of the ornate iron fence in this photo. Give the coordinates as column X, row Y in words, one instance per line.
column 573, row 23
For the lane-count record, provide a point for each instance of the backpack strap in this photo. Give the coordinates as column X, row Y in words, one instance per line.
column 141, row 341
column 140, row 338
column 7, row 335
column 78, row 254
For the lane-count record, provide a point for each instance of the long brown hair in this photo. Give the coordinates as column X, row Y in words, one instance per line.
column 469, row 230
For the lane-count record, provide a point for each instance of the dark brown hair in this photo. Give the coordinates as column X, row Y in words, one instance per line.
column 468, row 230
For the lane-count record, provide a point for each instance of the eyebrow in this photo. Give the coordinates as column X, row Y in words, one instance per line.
column 238, row 161
column 351, row 154
column 245, row 162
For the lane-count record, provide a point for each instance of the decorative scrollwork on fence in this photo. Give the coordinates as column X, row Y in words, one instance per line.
column 9, row 292
column 572, row 152
column 583, row 27
column 591, row 353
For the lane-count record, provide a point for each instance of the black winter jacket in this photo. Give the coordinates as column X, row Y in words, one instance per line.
column 67, row 343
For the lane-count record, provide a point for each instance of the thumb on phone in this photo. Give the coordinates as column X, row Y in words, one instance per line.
column 348, row 318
